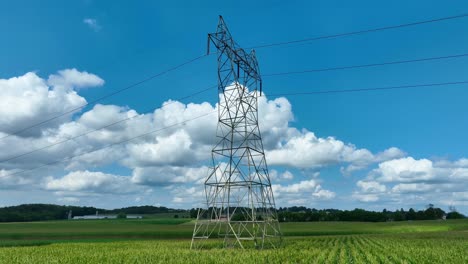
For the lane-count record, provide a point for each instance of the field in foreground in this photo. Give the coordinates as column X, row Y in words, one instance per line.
column 403, row 242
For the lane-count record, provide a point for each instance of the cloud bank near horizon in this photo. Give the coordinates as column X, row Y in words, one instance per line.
column 172, row 162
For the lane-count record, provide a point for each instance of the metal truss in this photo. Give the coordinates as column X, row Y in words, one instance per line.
column 240, row 207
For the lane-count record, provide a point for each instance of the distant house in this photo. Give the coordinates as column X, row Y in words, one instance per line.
column 98, row 216
column 134, row 216
column 92, row 217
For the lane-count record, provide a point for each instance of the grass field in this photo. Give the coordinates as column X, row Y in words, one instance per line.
column 168, row 241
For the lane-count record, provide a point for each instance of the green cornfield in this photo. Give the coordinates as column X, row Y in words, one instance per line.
column 395, row 243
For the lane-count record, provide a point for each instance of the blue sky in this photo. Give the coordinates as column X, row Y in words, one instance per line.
column 119, row 43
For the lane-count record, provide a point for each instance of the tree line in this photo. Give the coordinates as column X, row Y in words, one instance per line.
column 42, row 212
column 303, row 214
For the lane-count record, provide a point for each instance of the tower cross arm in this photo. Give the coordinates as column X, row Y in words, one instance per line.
column 224, row 42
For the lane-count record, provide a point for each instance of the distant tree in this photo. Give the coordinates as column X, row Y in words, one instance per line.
column 121, row 215
column 432, row 213
column 455, row 215
column 411, row 215
column 193, row 213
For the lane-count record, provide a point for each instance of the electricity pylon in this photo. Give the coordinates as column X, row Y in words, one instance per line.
column 240, row 207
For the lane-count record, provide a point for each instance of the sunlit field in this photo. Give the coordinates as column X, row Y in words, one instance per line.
column 168, row 241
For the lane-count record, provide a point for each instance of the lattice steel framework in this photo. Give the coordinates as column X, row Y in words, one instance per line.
column 240, row 207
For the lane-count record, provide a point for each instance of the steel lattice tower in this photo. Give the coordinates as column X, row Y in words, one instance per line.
column 240, row 207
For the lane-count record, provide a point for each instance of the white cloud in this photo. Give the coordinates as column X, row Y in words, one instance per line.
column 389, row 154
column 96, row 159
column 303, row 186
column 175, row 157
column 415, row 180
column 72, row 78
column 371, row 187
column 103, row 115
column 305, row 150
column 306, row 191
column 405, row 170
column 274, row 117
column 322, row 194
column 94, row 182
column 92, row 23
column 164, row 175
column 175, row 149
column 27, row 100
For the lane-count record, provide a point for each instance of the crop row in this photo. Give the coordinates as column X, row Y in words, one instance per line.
column 447, row 247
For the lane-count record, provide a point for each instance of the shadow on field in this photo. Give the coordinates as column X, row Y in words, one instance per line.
column 23, row 243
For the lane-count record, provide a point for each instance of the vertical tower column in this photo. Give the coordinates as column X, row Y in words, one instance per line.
column 240, row 207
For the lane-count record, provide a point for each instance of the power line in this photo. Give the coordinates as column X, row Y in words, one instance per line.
column 209, row 113
column 368, row 65
column 370, row 89
column 277, row 94
column 254, row 47
column 112, row 144
column 360, row 31
column 257, row 47
column 103, row 127
column 266, row 75
column 105, row 96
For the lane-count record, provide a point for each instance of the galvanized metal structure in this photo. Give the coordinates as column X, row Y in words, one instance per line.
column 240, row 207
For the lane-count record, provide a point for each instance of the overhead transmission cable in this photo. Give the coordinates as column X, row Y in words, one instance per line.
column 359, row 32
column 132, row 117
column 112, row 144
column 104, row 96
column 369, row 89
column 254, row 47
column 282, row 94
column 212, row 112
column 367, row 65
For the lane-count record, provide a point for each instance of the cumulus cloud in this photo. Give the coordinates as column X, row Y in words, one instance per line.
column 302, row 186
column 72, row 78
column 371, row 187
column 304, row 192
column 103, row 115
column 175, row 149
column 405, row 170
column 322, row 194
column 306, row 150
column 175, row 157
column 28, row 99
column 409, row 179
column 89, row 181
column 164, row 175
column 275, row 116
